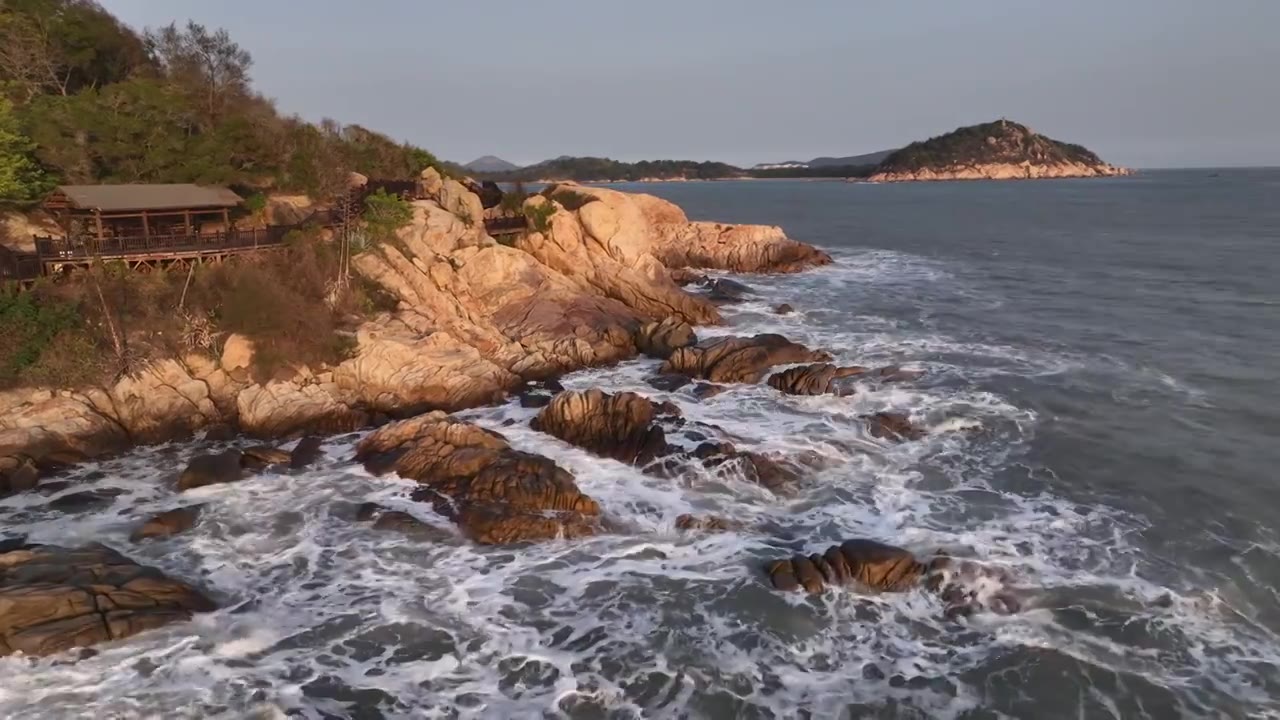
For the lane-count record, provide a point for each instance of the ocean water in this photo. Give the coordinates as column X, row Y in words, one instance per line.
column 1102, row 380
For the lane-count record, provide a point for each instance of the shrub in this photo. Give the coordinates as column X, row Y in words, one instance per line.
column 539, row 216
column 384, row 213
column 571, row 199
column 30, row 327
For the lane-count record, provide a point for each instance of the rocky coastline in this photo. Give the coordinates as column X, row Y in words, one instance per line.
column 1004, row 171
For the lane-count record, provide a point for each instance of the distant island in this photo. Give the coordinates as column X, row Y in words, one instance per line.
column 1000, row 150
column 490, row 164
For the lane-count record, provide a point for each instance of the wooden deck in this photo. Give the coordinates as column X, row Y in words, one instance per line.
column 54, row 255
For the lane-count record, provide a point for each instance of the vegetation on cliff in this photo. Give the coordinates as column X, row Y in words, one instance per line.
column 995, row 143
column 87, row 99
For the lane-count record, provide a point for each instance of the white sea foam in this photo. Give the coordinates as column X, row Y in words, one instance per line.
column 322, row 617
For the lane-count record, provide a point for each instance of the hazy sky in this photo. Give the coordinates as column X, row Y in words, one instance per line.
column 1145, row 83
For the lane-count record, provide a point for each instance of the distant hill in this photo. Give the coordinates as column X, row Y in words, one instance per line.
column 852, row 160
column 996, row 151
column 490, row 164
column 584, row 169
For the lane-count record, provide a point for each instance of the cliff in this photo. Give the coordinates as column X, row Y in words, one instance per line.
column 1000, row 150
column 473, row 321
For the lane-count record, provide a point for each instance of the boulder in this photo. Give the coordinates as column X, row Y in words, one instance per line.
column 17, row 474
column 307, row 452
column 813, row 379
column 739, row 359
column 668, row 383
column 704, row 390
column 170, row 522
column 660, row 339
column 204, row 470
column 783, row 309
column 725, row 290
column 865, row 564
column 260, row 457
column 617, row 426
column 54, row 599
column 495, row 493
column 965, row 586
column 706, row 523
column 283, row 408
column 892, row 426
column 736, row 248
column 383, row 518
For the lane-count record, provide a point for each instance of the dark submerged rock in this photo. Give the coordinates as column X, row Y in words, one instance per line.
column 223, row 467
column 728, row 291
column 306, row 453
column 783, row 309
column 170, row 522
column 668, row 383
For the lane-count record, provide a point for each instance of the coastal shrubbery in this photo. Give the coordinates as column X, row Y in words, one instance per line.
column 94, row 325
column 88, row 100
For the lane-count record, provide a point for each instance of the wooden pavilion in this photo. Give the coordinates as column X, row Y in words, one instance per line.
column 141, row 211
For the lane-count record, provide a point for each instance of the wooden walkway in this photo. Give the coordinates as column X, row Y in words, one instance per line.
column 54, row 255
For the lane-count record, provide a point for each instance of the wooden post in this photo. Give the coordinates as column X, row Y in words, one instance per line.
column 186, row 222
column 146, row 229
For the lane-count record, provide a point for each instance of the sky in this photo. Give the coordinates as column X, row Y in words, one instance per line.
column 1144, row 83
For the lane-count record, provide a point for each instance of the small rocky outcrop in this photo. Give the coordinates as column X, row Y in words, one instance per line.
column 668, row 383
column 660, row 339
column 783, row 309
column 617, row 426
column 814, row 379
column 892, row 426
column 706, row 523
column 739, row 359
column 724, row 290
column 632, row 429
column 54, row 599
column 383, row 518
column 864, row 564
column 168, row 523
column 306, row 453
column 736, row 248
column 230, row 466
column 495, row 493
column 965, row 586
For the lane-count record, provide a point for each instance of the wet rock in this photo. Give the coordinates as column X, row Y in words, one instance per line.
column 724, row 290
column 170, row 522
column 752, row 466
column 495, row 493
column 306, row 453
column 54, row 599
column 703, row 390
column 706, row 523
column 219, row 432
column 739, row 359
column 684, row 276
column 865, row 564
column 383, row 518
column 892, row 426
column 617, row 426
column 17, row 474
column 85, row 499
column 660, row 339
column 894, row 373
column 260, row 457
column 736, row 248
column 668, row 383
column 813, row 379
column 223, row 467
column 783, row 309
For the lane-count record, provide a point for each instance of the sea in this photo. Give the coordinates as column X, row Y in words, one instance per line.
column 1101, row 383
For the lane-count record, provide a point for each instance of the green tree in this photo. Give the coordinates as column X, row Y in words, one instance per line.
column 64, row 46
column 21, row 178
column 205, row 64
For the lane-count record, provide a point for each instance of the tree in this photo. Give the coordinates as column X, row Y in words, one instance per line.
column 21, row 179
column 63, row 47
column 208, row 65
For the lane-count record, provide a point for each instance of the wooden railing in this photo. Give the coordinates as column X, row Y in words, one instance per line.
column 18, row 266
column 159, row 246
